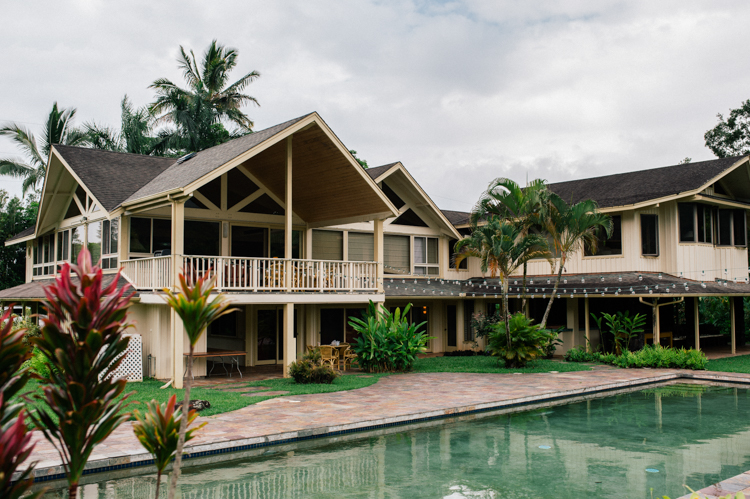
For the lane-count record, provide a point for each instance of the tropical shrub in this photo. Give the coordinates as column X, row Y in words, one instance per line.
column 648, row 356
column 619, row 329
column 197, row 310
column 482, row 323
column 527, row 341
column 309, row 370
column 15, row 438
column 158, row 431
column 82, row 336
column 552, row 344
column 387, row 341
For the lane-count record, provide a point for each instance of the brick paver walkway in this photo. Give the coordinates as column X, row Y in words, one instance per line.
column 394, row 399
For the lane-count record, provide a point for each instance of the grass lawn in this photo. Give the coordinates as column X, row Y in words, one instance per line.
column 740, row 364
column 223, row 400
column 484, row 364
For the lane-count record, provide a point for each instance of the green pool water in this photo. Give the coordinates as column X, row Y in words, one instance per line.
column 616, row 446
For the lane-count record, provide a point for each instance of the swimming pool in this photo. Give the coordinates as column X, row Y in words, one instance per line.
column 621, row 445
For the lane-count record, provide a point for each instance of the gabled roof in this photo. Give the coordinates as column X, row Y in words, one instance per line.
column 24, row 233
column 377, row 171
column 457, row 217
column 34, row 290
column 179, row 175
column 630, row 188
column 112, row 176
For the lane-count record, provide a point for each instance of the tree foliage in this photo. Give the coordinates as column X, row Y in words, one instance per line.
column 197, row 114
column 15, row 216
column 58, row 129
column 136, row 134
column 731, row 136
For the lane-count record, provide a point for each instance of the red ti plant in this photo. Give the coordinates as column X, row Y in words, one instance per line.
column 158, row 430
column 15, row 438
column 82, row 336
column 196, row 309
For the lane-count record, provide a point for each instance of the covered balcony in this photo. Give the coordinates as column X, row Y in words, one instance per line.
column 235, row 274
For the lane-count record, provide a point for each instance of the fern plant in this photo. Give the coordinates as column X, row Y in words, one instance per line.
column 527, row 341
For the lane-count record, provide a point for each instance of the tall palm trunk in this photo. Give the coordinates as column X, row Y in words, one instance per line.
column 183, row 427
column 506, row 315
column 554, row 292
column 73, row 491
column 523, row 301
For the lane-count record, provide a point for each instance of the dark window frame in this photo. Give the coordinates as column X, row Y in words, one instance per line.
column 649, row 242
column 603, row 240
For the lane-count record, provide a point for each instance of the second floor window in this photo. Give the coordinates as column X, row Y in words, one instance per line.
column 607, row 245
column 650, row 235
column 696, row 223
column 452, row 252
column 732, row 230
column 426, row 256
column 44, row 255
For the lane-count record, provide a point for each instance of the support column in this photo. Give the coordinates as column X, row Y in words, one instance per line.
column 290, row 346
column 379, row 254
column 459, row 325
column 308, row 244
column 733, row 320
column 124, row 239
column 178, row 331
column 696, row 318
column 586, row 322
column 288, row 215
column 657, row 328
column 739, row 320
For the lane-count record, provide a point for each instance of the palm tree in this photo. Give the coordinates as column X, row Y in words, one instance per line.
column 135, row 134
column 199, row 111
column 502, row 248
column 58, row 129
column 570, row 229
column 506, row 199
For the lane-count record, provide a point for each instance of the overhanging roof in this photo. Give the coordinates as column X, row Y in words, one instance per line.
column 34, row 290
column 625, row 189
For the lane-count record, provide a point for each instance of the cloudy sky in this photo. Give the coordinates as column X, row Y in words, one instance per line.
column 460, row 92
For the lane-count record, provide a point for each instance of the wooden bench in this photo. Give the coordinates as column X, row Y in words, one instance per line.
column 663, row 335
column 233, row 355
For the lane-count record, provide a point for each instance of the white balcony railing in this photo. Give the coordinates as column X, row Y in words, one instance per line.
column 256, row 274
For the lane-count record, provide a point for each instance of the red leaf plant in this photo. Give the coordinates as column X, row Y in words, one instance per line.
column 82, row 336
column 15, row 438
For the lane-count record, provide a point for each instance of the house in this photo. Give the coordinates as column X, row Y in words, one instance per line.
column 301, row 237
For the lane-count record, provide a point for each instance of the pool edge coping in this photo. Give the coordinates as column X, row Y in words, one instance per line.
column 56, row 472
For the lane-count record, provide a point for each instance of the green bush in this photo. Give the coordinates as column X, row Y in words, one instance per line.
column 309, row 370
column 527, row 341
column 387, row 341
column 648, row 356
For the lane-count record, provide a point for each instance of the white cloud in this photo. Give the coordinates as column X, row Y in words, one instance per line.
column 461, row 92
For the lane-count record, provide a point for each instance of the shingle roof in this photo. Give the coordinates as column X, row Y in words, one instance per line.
column 23, row 233
column 112, row 176
column 34, row 290
column 634, row 187
column 457, row 217
column 377, row 171
column 592, row 285
column 182, row 174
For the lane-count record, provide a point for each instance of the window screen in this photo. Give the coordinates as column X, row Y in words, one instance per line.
column 328, row 245
column 611, row 245
column 452, row 260
column 705, row 224
column 687, row 222
column 202, row 238
column 140, row 235
column 361, row 247
column 162, row 235
column 740, row 231
column 426, row 256
column 396, row 254
column 725, row 227
column 650, row 235
column 95, row 241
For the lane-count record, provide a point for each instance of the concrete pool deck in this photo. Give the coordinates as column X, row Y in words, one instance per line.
column 394, row 400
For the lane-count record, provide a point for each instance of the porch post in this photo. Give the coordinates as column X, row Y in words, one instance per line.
column 733, row 320
column 379, row 254
column 586, row 322
column 124, row 240
column 696, row 313
column 178, row 245
column 657, row 328
column 460, row 325
column 290, row 346
column 288, row 216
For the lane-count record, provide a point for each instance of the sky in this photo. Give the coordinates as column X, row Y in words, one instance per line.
column 460, row 92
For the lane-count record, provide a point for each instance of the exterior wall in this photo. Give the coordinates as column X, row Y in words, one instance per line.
column 154, row 323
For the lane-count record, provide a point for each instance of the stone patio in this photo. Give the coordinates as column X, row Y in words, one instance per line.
column 396, row 399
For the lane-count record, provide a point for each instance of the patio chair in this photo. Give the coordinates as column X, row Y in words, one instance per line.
column 329, row 355
column 347, row 357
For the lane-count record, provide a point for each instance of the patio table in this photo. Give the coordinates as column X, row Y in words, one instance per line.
column 233, row 355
